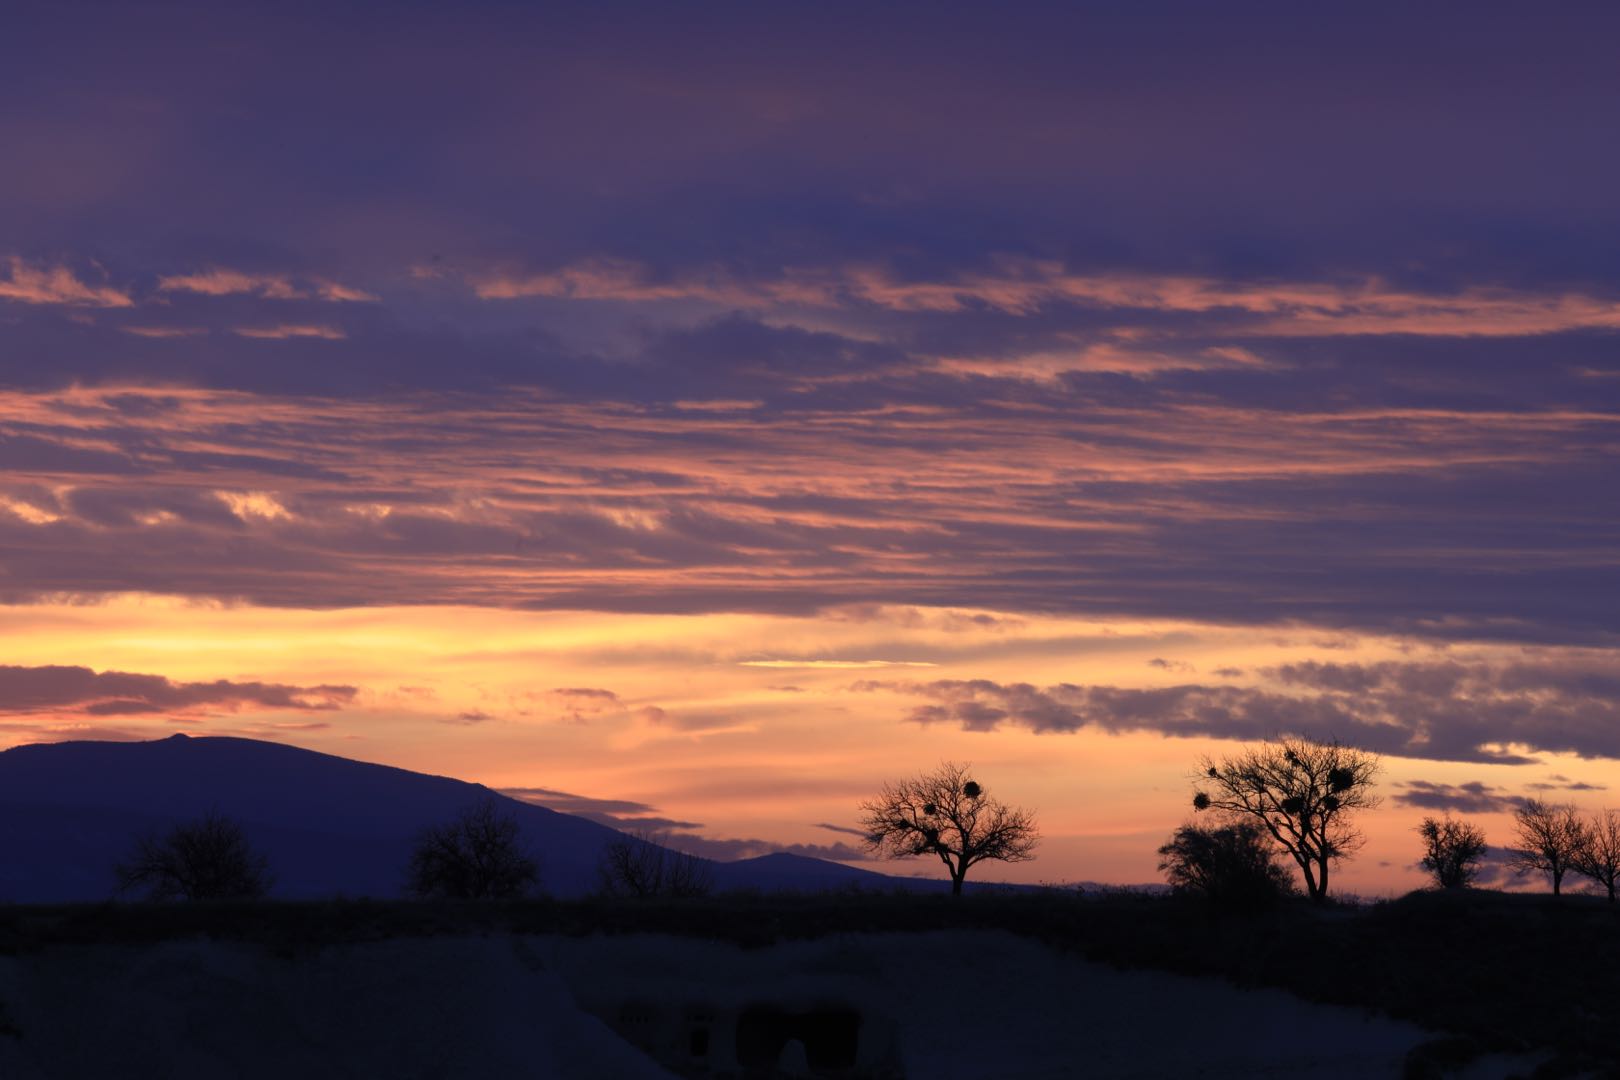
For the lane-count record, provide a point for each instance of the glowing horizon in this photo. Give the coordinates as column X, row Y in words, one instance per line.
column 634, row 412
column 681, row 721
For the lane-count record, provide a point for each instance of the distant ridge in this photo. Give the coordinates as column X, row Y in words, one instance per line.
column 785, row 871
column 329, row 825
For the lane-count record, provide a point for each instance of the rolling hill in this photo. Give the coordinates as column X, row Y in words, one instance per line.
column 330, row 826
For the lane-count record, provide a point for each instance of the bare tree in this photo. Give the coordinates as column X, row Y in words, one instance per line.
column 947, row 814
column 1302, row 792
column 206, row 859
column 1233, row 865
column 478, row 855
column 1452, row 851
column 1550, row 836
column 643, row 865
column 1598, row 857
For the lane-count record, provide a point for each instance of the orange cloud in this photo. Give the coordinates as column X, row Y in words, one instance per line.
column 1049, row 364
column 164, row 331
column 290, row 330
column 586, row 705
column 331, row 290
column 1287, row 308
column 57, row 285
column 217, row 281
column 836, row 664
column 625, row 280
column 1024, row 286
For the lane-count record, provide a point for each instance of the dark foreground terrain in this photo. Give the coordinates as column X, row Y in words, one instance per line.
column 1490, row 972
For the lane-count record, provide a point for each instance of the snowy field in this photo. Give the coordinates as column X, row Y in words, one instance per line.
column 940, row 1005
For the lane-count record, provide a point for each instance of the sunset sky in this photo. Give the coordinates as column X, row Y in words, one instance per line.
column 697, row 414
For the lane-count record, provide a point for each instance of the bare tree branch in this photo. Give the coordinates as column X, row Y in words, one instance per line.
column 1550, row 836
column 947, row 814
column 642, row 864
column 1598, row 857
column 1452, row 851
column 1302, row 792
column 477, row 856
column 206, row 859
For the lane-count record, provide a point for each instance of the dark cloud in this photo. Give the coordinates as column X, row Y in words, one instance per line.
column 733, row 849
column 69, row 689
column 1496, row 869
column 1564, row 783
column 642, row 818
column 573, row 804
column 840, row 829
column 625, row 814
column 1113, row 134
column 586, row 705
column 1445, row 710
column 302, row 504
column 1084, row 316
column 582, row 704
column 1472, row 797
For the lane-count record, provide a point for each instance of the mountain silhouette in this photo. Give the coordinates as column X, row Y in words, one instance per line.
column 785, row 871
column 330, row 826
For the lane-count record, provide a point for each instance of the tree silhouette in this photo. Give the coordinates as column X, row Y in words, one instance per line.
column 478, row 855
column 205, row 859
column 1233, row 865
column 947, row 814
column 1302, row 792
column 1598, row 857
column 1550, row 836
column 1452, row 851
column 643, row 865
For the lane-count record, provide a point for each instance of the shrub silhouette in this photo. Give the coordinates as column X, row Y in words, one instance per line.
column 479, row 855
column 1232, row 865
column 205, row 859
column 1302, row 793
column 643, row 865
column 947, row 814
column 1452, row 851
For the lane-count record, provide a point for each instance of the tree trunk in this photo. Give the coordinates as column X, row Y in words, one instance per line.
column 1311, row 888
column 1557, row 879
column 1321, row 882
column 956, row 884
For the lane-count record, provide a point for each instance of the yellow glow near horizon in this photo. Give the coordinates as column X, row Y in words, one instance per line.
column 766, row 740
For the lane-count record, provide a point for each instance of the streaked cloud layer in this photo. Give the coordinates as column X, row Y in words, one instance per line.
column 847, row 340
column 1131, row 501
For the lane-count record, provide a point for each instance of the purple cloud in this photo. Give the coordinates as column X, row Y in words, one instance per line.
column 70, row 689
column 1447, row 710
column 781, row 351
column 1472, row 797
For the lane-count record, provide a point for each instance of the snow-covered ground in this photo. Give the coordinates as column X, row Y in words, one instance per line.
column 989, row 1004
column 446, row 1008
column 940, row 1005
